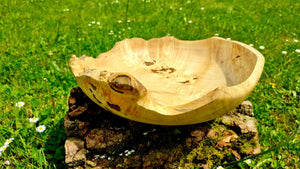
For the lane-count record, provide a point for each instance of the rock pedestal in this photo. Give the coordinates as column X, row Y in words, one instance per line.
column 100, row 139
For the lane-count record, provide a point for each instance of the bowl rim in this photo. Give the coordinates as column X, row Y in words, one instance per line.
column 211, row 103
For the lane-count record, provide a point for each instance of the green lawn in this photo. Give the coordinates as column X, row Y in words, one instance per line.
column 38, row 37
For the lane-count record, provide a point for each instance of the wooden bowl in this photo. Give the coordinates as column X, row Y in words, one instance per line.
column 167, row 81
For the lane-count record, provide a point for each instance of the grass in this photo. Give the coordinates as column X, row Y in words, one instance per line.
column 38, row 37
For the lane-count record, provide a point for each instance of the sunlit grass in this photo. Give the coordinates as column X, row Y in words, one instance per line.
column 37, row 38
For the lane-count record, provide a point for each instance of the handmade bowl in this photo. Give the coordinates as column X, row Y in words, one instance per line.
column 167, row 81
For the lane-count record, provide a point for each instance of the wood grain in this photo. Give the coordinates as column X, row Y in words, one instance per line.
column 168, row 81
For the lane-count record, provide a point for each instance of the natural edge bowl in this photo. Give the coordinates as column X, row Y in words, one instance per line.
column 167, row 81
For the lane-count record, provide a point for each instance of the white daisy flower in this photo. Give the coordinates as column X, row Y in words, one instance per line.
column 20, row 104
column 93, row 22
column 89, row 24
column 261, row 47
column 41, row 128
column 8, row 141
column 190, row 21
column 33, row 119
column 3, row 148
column 202, row 8
column 296, row 40
column 220, row 167
column 297, row 50
column 248, row 161
column 119, row 21
column 98, row 23
column 216, row 34
column 284, row 52
column 251, row 45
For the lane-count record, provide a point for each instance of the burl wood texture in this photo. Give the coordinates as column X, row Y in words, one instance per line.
column 168, row 81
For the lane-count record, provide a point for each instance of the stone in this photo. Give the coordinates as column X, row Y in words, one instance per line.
column 75, row 128
column 73, row 146
column 104, row 139
column 198, row 135
column 243, row 123
column 246, row 108
column 100, row 139
column 212, row 134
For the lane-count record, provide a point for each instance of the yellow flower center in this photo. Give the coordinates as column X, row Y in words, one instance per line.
column 248, row 161
column 273, row 85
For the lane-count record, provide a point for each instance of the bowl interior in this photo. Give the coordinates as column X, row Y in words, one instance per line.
column 176, row 72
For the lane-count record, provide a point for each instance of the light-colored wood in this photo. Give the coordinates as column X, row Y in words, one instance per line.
column 168, row 81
